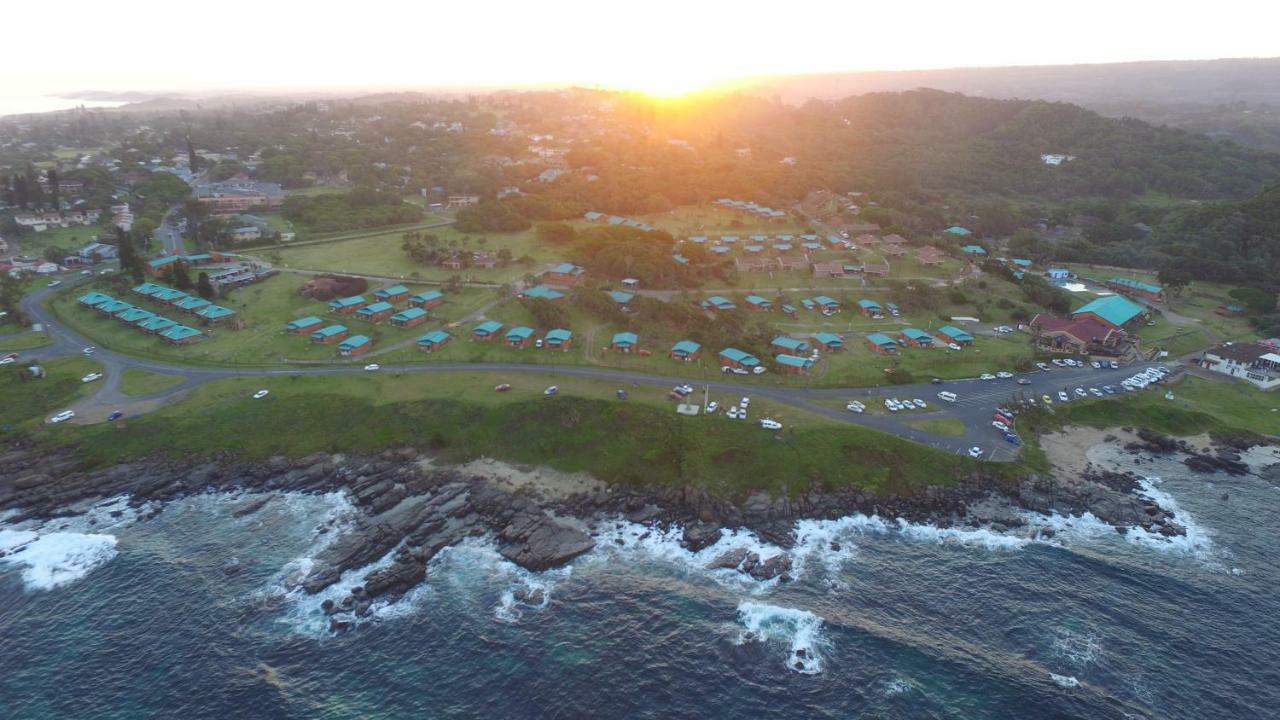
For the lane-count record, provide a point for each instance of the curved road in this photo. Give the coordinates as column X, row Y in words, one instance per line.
column 977, row 398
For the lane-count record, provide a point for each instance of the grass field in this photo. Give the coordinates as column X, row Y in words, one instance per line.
column 69, row 239
column 704, row 220
column 23, row 341
column 145, row 382
column 28, row 402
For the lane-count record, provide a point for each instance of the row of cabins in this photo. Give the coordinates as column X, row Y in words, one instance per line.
column 913, row 337
column 600, row 218
column 348, row 345
column 205, row 311
column 142, row 319
column 1136, row 288
column 749, row 208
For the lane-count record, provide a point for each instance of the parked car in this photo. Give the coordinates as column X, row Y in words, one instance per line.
column 936, row 381
column 1023, row 381
column 1081, row 393
column 86, row 272
column 621, row 394
column 11, row 356
column 502, row 387
column 1012, row 438
column 770, row 424
column 1046, row 399
column 1042, row 366
column 91, row 377
column 1060, row 362
column 892, row 405
column 740, row 371
column 261, row 394
column 1108, row 390
column 975, row 452
column 855, row 407
column 919, row 403
column 55, row 283
column 947, row 395
column 89, row 350
column 758, row 370
column 1062, row 396
column 115, row 416
column 551, row 390
column 732, row 413
column 744, row 402
column 986, row 376
column 954, row 346
column 726, row 369
column 7, row 361
column 999, row 426
column 372, row 367
column 1114, row 365
column 537, row 343
column 63, row 416
column 1004, row 374
column 1096, row 365
column 1095, row 392
column 712, row 407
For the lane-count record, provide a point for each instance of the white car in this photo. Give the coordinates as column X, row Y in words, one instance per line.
column 89, row 350
column 1095, row 392
column 744, row 402
column 8, row 361
column 947, row 395
column 770, row 424
column 1004, row 374
column 1081, row 393
column 975, row 452
column 732, row 414
column 726, row 369
column 372, row 367
column 86, row 272
column 537, row 343
column 684, row 389
column 55, row 283
column 1042, row 366
column 551, row 390
column 712, row 407
column 919, row 403
column 1063, row 396
column 999, row 426
column 954, row 346
column 91, row 377
column 740, row 371
column 63, row 416
column 986, row 376
column 758, row 370
column 261, row 394
column 1113, row 365
column 1060, row 362
column 892, row 405
column 855, row 407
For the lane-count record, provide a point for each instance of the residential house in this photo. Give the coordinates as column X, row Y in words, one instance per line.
column 303, row 325
column 870, row 308
column 718, row 304
column 486, row 331
column 929, row 256
column 789, row 345
column 393, row 294
column 376, row 312
column 949, row 334
column 181, row 335
column 832, row 269
column 826, row 304
column 1085, row 335
column 620, row 297
column 881, row 343
column 518, row 337
column 433, row 341
column 735, row 358
column 624, row 342
column 346, row 305
column 1254, row 363
column 686, row 351
column 355, row 345
column 411, row 317
column 1114, row 311
column 1232, row 310
column 329, row 334
column 564, row 274
column 759, row 304
column 426, row 300
column 558, row 339
column 214, row 314
column 917, row 338
column 828, row 341
column 792, row 364
column 1135, row 288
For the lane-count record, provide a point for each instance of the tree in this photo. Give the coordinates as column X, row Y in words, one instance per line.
column 193, row 160
column 21, row 197
column 128, row 255
column 204, row 288
column 556, row 233
column 1259, row 302
column 51, row 177
column 180, row 276
column 1174, row 280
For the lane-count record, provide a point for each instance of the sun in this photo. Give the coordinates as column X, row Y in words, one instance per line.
column 664, row 82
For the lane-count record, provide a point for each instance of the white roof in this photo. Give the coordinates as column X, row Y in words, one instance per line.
column 1271, row 357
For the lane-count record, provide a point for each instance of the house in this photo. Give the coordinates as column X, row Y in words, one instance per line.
column 376, row 312
column 93, row 299
column 893, row 251
column 1255, row 363
column 792, row 262
column 518, row 337
column 1135, row 288
column 620, row 297
column 974, row 250
column 594, row 217
column 134, row 315
column 147, row 289
column 826, row 304
column 630, row 283
column 788, row 310
column 346, row 305
column 892, row 239
column 1058, row 276
column 754, row 264
column 248, row 233
column 393, row 294
column 433, row 341
column 624, row 342
column 96, row 251
column 302, row 325
column 180, row 335
column 169, row 296
column 111, row 307
column 214, row 314
column 831, row 269
column 735, row 358
column 1078, row 336
column 192, row 305
column 870, row 308
column 718, row 304
column 162, row 266
column 329, row 334
column 426, row 300
column 866, row 240
column 949, row 334
column 789, row 344
column 759, row 304
column 686, row 351
column 792, row 364
column 917, row 338
column 486, row 331
column 458, row 201
column 412, row 317
column 1232, row 310
column 958, row 231
column 564, row 274
column 828, row 341
column 1022, row 263
column 541, row 292
column 1114, row 311
column 929, row 256
column 156, row 324
column 354, row 345
column 559, row 339
column 881, row 343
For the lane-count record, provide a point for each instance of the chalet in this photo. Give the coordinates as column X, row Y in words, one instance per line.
column 789, row 344
column 156, row 325
column 917, row 338
column 630, row 283
column 753, row 249
column 624, row 342
column 518, row 337
column 112, row 307
column 426, row 300
column 826, row 304
column 486, row 331
column 248, row 233
column 728, row 239
column 811, row 246
column 93, row 299
column 880, row 269
column 866, row 240
column 788, row 310
column 355, row 345
column 1022, row 263
column 1255, row 363
column 754, row 264
column 564, row 274
column 346, row 305
column 1232, row 310
column 719, row 304
column 558, row 339
column 433, row 341
column 828, row 341
column 735, row 358
column 957, row 231
column 180, row 335
column 302, row 325
column 930, row 256
column 686, row 351
column 1078, row 336
column 949, row 334
column 376, row 312
column 169, row 296
column 541, row 292
column 134, row 315
column 881, row 343
column 870, row 308
column 792, row 364
column 831, row 269
column 1137, row 289
column 484, row 261
column 214, row 314
column 412, row 317
column 620, row 297
column 393, row 294
column 759, row 304
column 893, row 251
column 329, row 334
column 162, row 266
column 792, row 262
column 147, row 289
column 1114, row 311
column 835, row 241
column 192, row 305
column 976, row 250
column 893, row 239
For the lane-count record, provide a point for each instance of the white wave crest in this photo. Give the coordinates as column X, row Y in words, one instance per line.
column 1078, row 649
column 52, row 560
column 800, row 629
column 1066, row 681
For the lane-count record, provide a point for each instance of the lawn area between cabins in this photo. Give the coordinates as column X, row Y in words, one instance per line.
column 145, row 382
column 23, row 341
column 28, row 402
column 637, row 441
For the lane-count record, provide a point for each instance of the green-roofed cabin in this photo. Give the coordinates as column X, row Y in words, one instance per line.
column 346, row 305
column 181, row 335
column 624, row 342
column 426, row 300
column 411, row 317
column 828, row 341
column 156, row 324
column 541, row 292
column 620, row 297
column 393, row 294
column 1114, row 311
column 134, row 315
column 686, row 351
column 792, row 364
column 881, row 343
column 214, row 314
column 951, row 334
column 735, row 358
column 870, row 308
column 759, row 304
column 559, row 339
column 518, row 337
column 719, row 304
column 93, row 299
column 564, row 274
column 917, row 338
column 1137, row 288
column 329, row 334
column 376, row 312
column 827, row 304
column 147, row 289
column 487, row 330
column 790, row 345
column 303, row 325
column 433, row 340
column 191, row 305
column 355, row 345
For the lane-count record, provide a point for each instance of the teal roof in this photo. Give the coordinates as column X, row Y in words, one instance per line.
column 543, row 292
column 179, row 332
column 148, row 288
column 191, row 303
column 788, row 308
column 94, row 298
column 390, row 291
column 305, row 322
column 329, row 331
column 114, row 306
column 1055, row 272
column 426, row 297
column 622, row 298
column 697, row 239
column 824, row 300
column 811, row 245
column 828, row 338
column 753, row 249
column 740, row 357
column 757, row 300
column 215, row 312
column 957, row 230
column 1136, row 285
column 520, row 333
column 197, row 257
column 162, row 261
column 1022, row 262
column 790, row 343
column 918, row 335
column 729, row 239
column 488, row 327
column 793, row 361
column 835, row 240
column 346, row 302
column 975, row 250
column 720, row 303
column 558, row 336
column 567, row 269
column 955, row 333
column 782, row 247
column 625, row 338
column 407, row 315
column 881, row 340
column 168, row 295
column 685, row 347
column 133, row 315
column 435, row 337
column 375, row 308
column 353, row 342
column 682, row 260
column 156, row 323
column 1114, row 309
column 866, row 304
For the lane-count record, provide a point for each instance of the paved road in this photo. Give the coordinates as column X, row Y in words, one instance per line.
column 977, row 399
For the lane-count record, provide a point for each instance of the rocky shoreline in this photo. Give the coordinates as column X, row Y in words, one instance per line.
column 411, row 508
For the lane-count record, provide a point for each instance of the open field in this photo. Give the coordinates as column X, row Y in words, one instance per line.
column 28, row 402
column 69, row 239
column 23, row 341
column 705, row 220
column 145, row 382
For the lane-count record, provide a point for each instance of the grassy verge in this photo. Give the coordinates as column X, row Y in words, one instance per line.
column 145, row 382
column 27, row 402
column 23, row 341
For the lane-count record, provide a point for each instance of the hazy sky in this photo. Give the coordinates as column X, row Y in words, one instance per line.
column 652, row 45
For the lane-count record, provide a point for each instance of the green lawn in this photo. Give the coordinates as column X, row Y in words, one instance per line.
column 705, row 220
column 949, row 427
column 23, row 341
column 27, row 402
column 145, row 382
column 69, row 239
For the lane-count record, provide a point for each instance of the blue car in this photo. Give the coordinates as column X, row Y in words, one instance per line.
column 1012, row 438
column 115, row 416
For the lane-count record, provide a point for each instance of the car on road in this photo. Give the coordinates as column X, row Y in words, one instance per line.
column 975, row 452
column 855, row 407
column 105, row 272
column 1063, row 397
column 7, row 361
column 91, row 377
column 712, row 407
column 986, row 376
column 54, row 283
column 372, row 367
column 1023, row 381
column 1046, row 399
column 10, row 356
column 551, row 390
column 86, row 272
column 1004, row 374
column 936, row 381
column 89, row 350
column 770, row 424
column 502, row 387
column 115, row 416
column 1081, row 393
column 947, row 396
column 1095, row 392
column 63, row 416
column 261, row 394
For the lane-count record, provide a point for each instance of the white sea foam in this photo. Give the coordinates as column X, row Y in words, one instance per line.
column 303, row 612
column 477, row 562
column 1066, row 681
column 52, row 560
column 1079, row 649
column 800, row 629
column 1196, row 542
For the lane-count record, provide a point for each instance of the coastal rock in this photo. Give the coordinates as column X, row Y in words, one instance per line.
column 698, row 535
column 546, row 545
column 728, row 559
column 771, row 568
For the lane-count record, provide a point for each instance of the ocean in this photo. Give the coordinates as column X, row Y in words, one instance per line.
column 24, row 104
column 134, row 614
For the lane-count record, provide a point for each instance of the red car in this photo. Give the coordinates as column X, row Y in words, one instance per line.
column 501, row 388
column 11, row 356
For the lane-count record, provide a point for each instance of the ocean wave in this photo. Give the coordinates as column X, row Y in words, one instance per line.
column 1078, row 649
column 1066, row 681
column 55, row 559
column 477, row 564
column 1196, row 542
column 800, row 629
